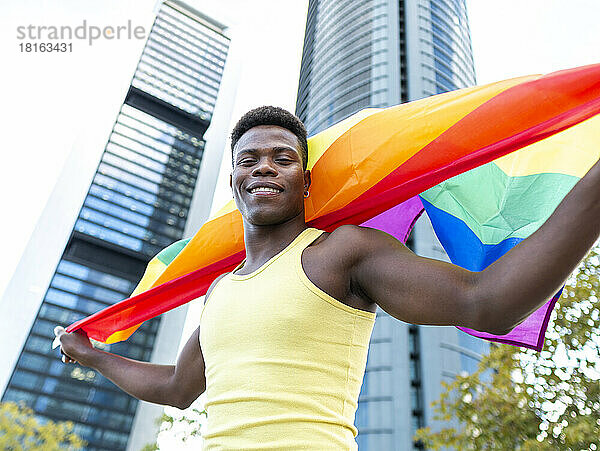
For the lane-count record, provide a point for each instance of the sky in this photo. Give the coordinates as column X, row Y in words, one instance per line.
column 49, row 100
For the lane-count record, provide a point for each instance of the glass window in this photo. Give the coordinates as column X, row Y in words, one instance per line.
column 445, row 81
column 113, row 400
column 130, row 166
column 174, row 57
column 109, row 223
column 85, row 289
column 206, row 38
column 129, row 350
column 113, row 223
column 147, row 119
column 24, row 379
column 116, row 438
column 82, row 430
column 109, row 235
column 34, row 362
column 415, row 399
column 445, row 69
column 185, row 44
column 413, row 344
column 111, row 419
column 164, row 92
column 39, row 344
column 126, row 202
column 154, row 147
column 439, row 55
column 415, row 422
column 126, row 189
column 442, row 44
column 72, row 301
column 119, row 212
column 134, row 156
column 17, row 396
column 414, row 370
column 44, row 328
column 156, row 138
column 127, row 177
column 153, row 66
column 60, row 407
column 69, row 389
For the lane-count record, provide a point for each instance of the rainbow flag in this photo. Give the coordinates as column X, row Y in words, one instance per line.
column 448, row 154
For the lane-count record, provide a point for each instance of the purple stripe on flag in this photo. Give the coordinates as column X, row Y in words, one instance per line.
column 530, row 333
column 398, row 221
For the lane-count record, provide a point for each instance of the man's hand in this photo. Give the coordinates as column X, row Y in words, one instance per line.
column 75, row 347
column 174, row 385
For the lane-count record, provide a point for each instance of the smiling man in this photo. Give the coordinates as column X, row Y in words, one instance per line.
column 282, row 341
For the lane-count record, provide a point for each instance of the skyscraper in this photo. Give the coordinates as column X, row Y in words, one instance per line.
column 378, row 53
column 139, row 201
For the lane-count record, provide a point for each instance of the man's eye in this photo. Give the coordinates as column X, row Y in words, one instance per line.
column 246, row 161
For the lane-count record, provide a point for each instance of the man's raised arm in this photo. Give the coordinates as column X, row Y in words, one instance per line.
column 424, row 291
column 174, row 385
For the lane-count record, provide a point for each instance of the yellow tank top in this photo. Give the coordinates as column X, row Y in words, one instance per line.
column 284, row 360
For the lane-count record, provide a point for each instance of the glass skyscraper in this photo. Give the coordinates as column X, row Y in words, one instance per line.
column 378, row 53
column 137, row 204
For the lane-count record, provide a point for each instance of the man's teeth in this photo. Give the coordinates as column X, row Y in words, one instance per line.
column 264, row 189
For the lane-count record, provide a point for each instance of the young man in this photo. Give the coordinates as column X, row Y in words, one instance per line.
column 283, row 339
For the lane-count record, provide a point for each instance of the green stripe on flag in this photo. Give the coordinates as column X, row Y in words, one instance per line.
column 168, row 254
column 496, row 206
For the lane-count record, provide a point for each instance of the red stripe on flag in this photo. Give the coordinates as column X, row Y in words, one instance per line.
column 154, row 301
column 419, row 173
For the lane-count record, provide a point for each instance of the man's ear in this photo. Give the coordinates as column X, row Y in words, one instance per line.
column 231, row 181
column 306, row 180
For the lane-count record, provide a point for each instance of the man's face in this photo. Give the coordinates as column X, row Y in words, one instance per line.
column 268, row 180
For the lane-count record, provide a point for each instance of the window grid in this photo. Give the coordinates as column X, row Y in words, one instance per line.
column 127, row 189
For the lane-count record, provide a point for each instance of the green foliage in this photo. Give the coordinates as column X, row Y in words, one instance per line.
column 534, row 401
column 20, row 430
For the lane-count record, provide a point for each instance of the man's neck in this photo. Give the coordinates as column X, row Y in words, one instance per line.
column 264, row 241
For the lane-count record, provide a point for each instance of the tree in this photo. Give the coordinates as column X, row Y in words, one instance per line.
column 520, row 399
column 179, row 429
column 20, row 430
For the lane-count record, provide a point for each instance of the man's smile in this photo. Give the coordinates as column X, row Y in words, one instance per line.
column 264, row 189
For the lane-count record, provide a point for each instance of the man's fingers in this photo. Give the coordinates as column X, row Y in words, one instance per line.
column 58, row 331
column 66, row 359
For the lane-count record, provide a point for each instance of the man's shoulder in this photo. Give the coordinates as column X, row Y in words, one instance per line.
column 214, row 283
column 359, row 240
column 359, row 234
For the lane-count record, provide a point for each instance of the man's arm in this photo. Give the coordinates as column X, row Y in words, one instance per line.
column 424, row 291
column 174, row 385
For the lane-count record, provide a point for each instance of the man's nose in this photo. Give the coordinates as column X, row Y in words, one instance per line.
column 264, row 167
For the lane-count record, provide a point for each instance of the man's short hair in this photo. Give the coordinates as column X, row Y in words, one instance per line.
column 271, row 115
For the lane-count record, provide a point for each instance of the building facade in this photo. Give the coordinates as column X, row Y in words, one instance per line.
column 378, row 53
column 139, row 201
